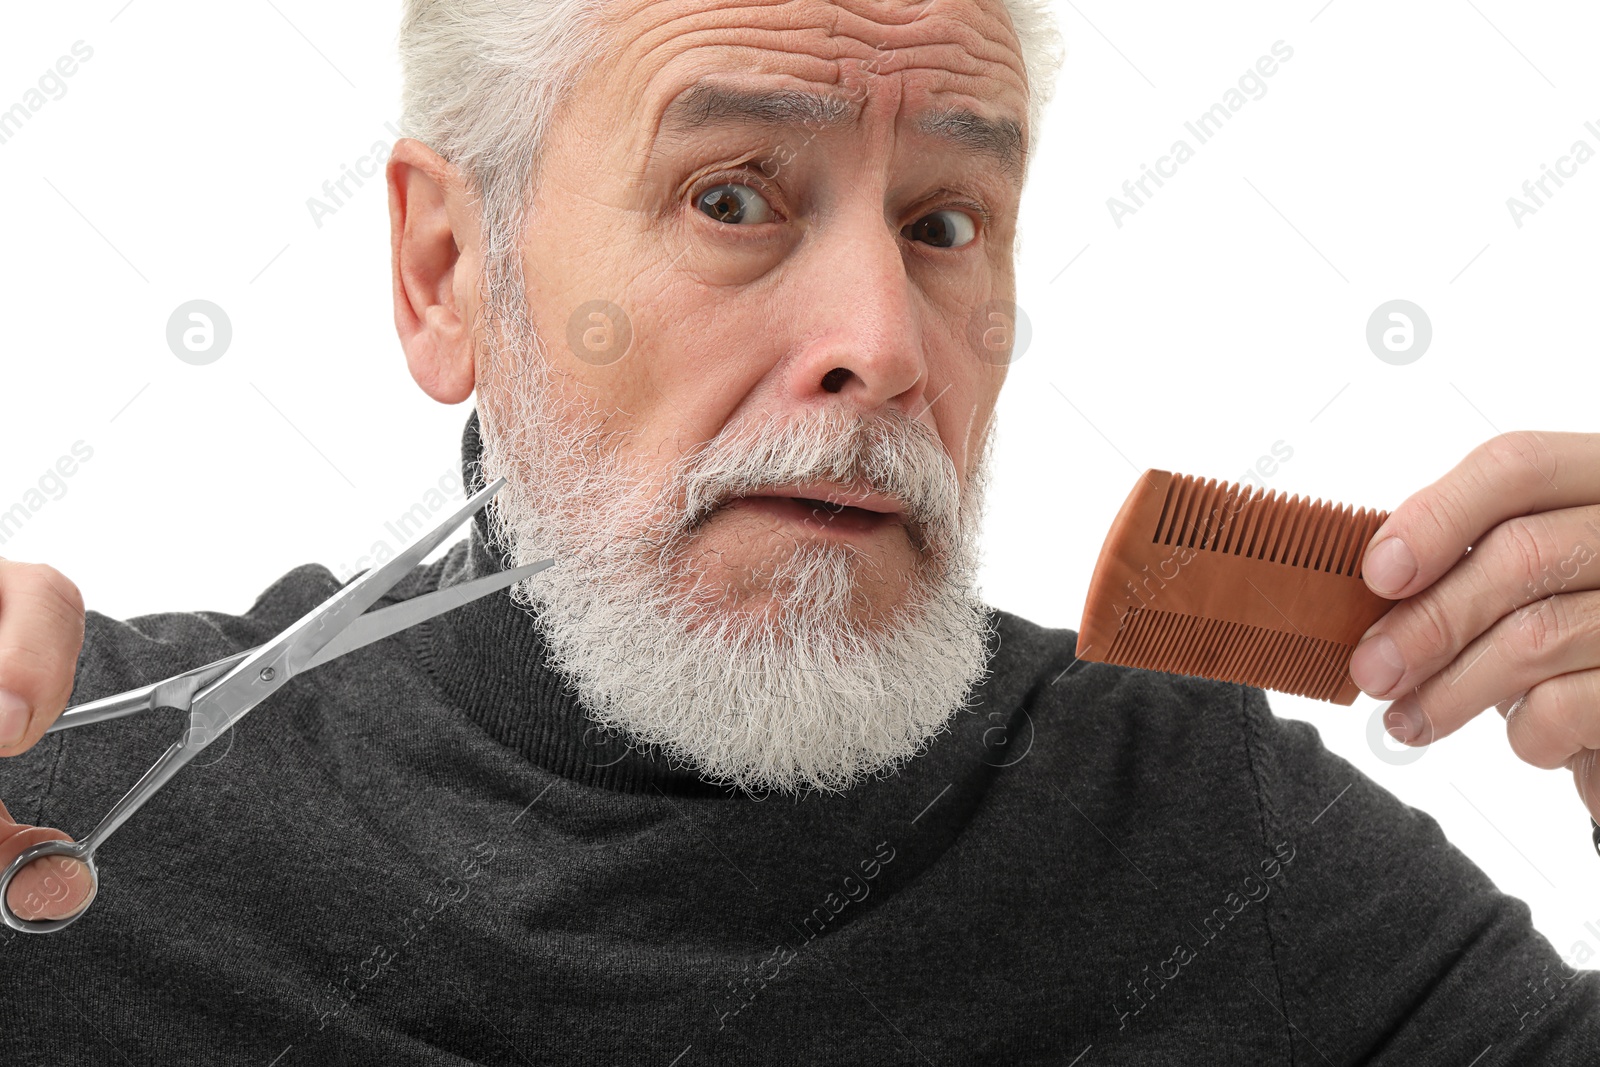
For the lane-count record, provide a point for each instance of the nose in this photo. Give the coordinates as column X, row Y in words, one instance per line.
column 860, row 335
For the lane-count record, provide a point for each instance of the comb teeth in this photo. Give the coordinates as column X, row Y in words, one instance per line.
column 1223, row 517
column 1250, row 655
column 1208, row 578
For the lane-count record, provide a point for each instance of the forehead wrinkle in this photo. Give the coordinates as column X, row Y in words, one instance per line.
column 970, row 59
column 710, row 104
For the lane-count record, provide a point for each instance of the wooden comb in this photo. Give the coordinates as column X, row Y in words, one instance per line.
column 1207, row 578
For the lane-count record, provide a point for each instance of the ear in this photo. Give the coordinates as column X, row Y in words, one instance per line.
column 433, row 236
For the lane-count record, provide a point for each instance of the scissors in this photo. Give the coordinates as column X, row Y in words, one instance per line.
column 220, row 694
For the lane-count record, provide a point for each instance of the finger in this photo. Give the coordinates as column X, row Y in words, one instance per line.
column 1557, row 721
column 41, row 634
column 51, row 887
column 1586, row 779
column 1549, row 637
column 1512, row 474
column 1521, row 560
column 1584, row 767
column 1509, row 704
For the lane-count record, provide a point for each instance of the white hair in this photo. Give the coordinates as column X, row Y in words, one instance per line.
column 482, row 83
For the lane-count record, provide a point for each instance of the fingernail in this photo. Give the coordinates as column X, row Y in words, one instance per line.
column 14, row 717
column 1376, row 665
column 1404, row 719
column 1389, row 566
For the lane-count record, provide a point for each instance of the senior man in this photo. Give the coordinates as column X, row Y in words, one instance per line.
column 753, row 774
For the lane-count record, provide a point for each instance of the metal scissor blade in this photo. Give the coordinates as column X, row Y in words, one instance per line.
column 179, row 690
column 264, row 671
column 174, row 692
column 310, row 635
column 385, row 622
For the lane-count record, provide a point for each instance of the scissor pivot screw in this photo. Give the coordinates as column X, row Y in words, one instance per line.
column 267, row 674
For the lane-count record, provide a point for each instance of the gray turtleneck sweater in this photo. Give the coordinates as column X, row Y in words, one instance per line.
column 421, row 853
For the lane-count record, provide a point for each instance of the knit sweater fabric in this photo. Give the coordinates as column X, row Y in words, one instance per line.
column 424, row 852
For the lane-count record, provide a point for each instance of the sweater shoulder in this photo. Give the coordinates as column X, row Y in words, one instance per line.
column 123, row 654
column 120, row 654
column 1144, row 717
column 1204, row 788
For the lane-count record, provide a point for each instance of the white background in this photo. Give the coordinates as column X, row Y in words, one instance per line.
column 1227, row 315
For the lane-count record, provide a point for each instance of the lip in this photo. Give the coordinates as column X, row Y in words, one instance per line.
column 866, row 513
column 854, row 496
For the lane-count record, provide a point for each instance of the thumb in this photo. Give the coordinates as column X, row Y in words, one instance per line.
column 41, row 635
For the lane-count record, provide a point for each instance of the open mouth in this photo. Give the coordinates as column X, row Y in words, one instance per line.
column 831, row 508
column 819, row 514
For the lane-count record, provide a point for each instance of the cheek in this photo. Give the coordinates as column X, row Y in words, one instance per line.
column 694, row 355
column 976, row 417
column 967, row 388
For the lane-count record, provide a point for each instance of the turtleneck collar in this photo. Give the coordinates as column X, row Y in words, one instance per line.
column 490, row 661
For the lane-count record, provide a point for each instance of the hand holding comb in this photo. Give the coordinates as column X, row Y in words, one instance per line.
column 1207, row 578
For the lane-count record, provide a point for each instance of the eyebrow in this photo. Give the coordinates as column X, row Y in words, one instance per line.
column 707, row 105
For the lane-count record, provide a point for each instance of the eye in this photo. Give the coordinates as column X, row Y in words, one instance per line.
column 942, row 229
column 733, row 202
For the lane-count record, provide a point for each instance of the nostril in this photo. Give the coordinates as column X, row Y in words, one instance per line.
column 834, row 380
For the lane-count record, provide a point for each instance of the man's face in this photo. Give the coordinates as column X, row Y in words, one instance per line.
column 807, row 307
column 771, row 262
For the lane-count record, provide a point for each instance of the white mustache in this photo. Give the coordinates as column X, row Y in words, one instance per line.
column 890, row 454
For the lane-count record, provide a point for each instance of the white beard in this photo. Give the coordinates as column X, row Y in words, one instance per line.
column 810, row 690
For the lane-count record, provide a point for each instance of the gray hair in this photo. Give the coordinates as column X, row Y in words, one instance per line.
column 481, row 84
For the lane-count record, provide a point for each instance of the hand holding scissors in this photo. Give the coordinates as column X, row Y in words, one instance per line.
column 219, row 694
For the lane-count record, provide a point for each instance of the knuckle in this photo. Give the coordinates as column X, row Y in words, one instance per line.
column 1583, row 768
column 1540, row 630
column 52, row 582
column 1431, row 630
column 1440, row 513
column 1502, row 448
column 1521, row 458
column 1548, row 729
column 1524, row 541
column 50, row 599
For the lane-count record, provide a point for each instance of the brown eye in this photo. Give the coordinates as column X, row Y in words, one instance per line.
column 734, row 203
column 942, row 229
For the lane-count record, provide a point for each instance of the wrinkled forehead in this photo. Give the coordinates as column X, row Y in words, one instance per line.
column 951, row 67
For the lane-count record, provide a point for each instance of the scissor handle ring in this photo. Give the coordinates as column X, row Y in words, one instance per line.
column 73, row 849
